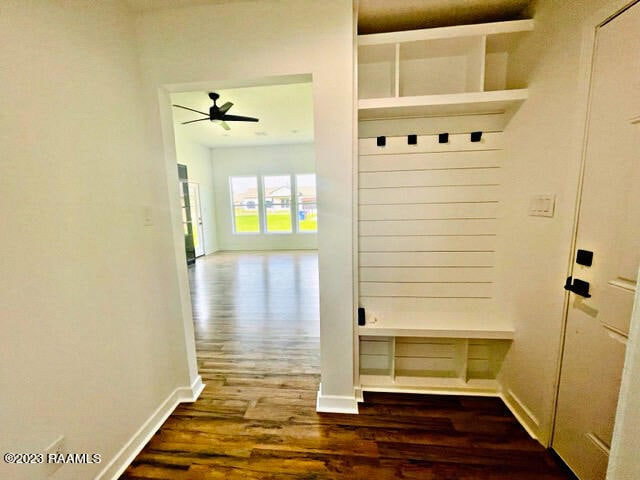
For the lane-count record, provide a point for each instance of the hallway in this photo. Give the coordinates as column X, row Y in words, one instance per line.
column 257, row 337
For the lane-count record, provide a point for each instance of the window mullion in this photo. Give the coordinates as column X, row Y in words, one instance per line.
column 295, row 228
column 262, row 212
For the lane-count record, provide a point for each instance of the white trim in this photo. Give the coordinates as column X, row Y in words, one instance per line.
column 355, row 235
column 426, row 390
column 359, row 394
column 336, row 403
column 585, row 70
column 195, row 390
column 599, row 444
column 171, row 172
column 139, row 439
column 525, row 417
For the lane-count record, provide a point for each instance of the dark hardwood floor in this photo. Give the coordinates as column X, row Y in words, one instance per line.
column 257, row 327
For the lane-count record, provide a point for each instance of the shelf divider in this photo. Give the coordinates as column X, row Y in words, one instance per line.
column 397, row 71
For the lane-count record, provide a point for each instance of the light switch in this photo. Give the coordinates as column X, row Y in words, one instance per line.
column 542, row 205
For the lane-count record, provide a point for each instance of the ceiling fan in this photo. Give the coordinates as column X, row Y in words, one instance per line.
column 218, row 114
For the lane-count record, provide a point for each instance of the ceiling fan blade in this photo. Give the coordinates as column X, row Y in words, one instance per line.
column 191, row 109
column 198, row 120
column 238, row 118
column 225, row 125
column 225, row 108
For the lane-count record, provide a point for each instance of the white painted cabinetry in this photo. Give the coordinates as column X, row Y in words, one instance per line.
column 439, row 71
column 428, row 210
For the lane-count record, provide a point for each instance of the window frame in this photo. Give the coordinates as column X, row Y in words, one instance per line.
column 295, row 182
column 292, row 229
column 261, row 207
column 233, row 205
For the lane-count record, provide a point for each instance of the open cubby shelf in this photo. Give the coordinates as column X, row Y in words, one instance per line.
column 439, row 71
column 455, row 364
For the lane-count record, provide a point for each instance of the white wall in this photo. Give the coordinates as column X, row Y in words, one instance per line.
column 92, row 340
column 259, row 160
column 254, row 40
column 197, row 158
column 543, row 147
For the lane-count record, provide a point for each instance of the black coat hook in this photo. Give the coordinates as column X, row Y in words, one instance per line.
column 381, row 141
column 476, row 136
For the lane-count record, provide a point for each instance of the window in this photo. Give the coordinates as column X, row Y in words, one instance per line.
column 277, row 203
column 274, row 204
column 244, row 202
column 306, row 203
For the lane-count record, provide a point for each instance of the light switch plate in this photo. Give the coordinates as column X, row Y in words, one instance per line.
column 542, row 205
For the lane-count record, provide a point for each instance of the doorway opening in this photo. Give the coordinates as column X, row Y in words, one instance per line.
column 251, row 213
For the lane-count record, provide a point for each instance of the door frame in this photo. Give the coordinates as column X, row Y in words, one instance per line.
column 199, row 224
column 602, row 16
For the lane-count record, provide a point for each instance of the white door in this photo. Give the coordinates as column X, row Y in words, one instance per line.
column 609, row 227
column 196, row 218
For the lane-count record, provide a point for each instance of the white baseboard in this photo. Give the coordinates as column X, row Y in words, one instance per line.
column 519, row 410
column 431, row 391
column 191, row 394
column 139, row 439
column 336, row 403
column 359, row 394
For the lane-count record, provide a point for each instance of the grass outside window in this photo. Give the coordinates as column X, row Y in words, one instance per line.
column 247, row 221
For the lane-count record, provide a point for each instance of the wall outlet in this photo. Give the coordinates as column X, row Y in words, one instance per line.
column 58, row 447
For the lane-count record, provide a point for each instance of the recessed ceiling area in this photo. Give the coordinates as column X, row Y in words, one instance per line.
column 285, row 114
column 376, row 16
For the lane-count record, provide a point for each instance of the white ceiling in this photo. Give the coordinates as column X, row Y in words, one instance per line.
column 392, row 15
column 285, row 114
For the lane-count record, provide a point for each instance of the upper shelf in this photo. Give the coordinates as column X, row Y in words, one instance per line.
column 440, row 71
column 444, row 104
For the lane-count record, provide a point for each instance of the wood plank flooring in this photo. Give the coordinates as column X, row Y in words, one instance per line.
column 257, row 337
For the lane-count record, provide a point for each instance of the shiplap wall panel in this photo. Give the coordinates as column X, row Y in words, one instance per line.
column 482, row 210
column 427, row 259
column 429, row 161
column 376, row 354
column 426, row 274
column 375, row 362
column 430, row 178
column 416, row 195
column 453, row 226
column 428, row 218
column 427, row 290
column 420, row 366
column 444, row 357
column 428, row 243
column 417, row 347
column 412, row 304
column 478, row 367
